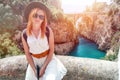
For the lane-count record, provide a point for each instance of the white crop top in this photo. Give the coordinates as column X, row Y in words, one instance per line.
column 37, row 45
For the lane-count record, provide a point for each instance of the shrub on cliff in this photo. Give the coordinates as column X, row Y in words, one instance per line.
column 57, row 15
column 115, row 44
column 111, row 57
column 7, row 46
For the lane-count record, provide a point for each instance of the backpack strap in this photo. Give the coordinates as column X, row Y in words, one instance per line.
column 25, row 35
column 47, row 33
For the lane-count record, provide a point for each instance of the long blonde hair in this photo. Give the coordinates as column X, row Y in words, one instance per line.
column 29, row 24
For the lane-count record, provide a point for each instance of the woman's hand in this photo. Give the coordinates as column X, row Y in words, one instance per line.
column 42, row 71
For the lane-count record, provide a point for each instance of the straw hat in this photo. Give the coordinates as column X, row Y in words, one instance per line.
column 33, row 5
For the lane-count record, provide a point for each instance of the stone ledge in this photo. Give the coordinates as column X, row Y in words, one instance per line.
column 13, row 68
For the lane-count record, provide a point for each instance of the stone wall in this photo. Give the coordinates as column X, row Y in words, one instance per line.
column 13, row 68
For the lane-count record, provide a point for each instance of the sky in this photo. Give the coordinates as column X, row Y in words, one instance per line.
column 76, row 6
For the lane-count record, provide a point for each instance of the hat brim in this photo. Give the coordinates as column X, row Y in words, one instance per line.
column 33, row 5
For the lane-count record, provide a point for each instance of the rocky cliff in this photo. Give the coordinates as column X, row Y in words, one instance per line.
column 65, row 37
column 96, row 28
column 102, row 26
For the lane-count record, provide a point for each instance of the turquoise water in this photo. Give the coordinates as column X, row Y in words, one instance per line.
column 87, row 49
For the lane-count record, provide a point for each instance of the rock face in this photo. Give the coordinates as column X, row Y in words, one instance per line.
column 64, row 48
column 65, row 37
column 103, row 31
column 13, row 68
column 101, row 26
column 63, row 32
column 97, row 28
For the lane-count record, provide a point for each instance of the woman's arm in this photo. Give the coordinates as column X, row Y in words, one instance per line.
column 28, row 55
column 50, row 54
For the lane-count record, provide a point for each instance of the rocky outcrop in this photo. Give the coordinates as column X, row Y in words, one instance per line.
column 65, row 37
column 13, row 68
column 63, row 32
column 64, row 48
column 99, row 31
column 101, row 26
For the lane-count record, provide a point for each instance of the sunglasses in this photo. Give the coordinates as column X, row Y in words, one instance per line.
column 39, row 16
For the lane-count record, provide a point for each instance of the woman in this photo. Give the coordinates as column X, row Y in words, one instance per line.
column 39, row 49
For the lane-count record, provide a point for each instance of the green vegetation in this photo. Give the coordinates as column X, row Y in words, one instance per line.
column 7, row 46
column 110, row 57
column 115, row 44
column 10, row 19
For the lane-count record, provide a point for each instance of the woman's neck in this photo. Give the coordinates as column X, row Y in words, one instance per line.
column 36, row 32
column 36, row 28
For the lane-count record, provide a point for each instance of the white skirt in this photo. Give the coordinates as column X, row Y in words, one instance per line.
column 54, row 71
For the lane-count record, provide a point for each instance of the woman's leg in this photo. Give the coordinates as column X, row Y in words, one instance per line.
column 51, row 71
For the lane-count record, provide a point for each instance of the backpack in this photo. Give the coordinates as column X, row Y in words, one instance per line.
column 47, row 34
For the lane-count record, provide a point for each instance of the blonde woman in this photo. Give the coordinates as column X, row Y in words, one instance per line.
column 38, row 47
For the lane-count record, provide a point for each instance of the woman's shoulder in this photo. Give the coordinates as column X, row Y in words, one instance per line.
column 24, row 30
